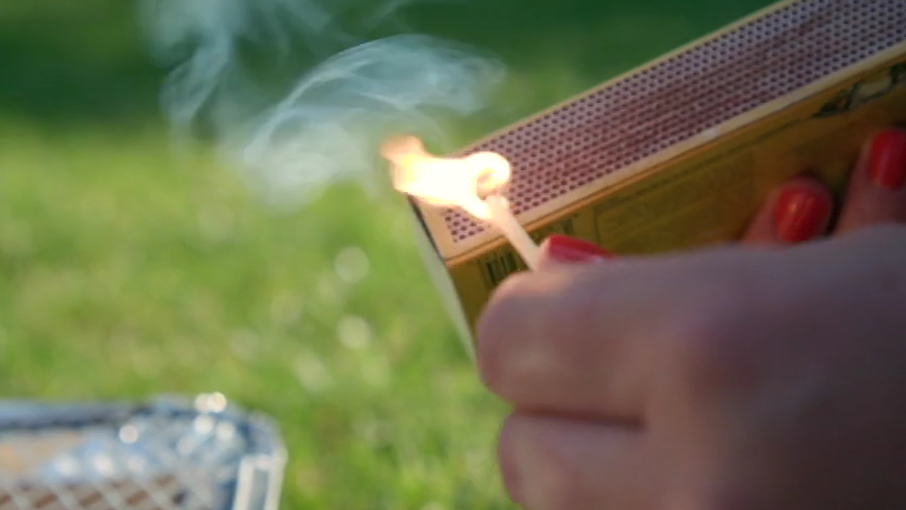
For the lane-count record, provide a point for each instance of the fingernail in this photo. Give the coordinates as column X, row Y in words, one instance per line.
column 801, row 214
column 887, row 159
column 570, row 249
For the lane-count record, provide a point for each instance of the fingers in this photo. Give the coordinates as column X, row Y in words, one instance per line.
column 547, row 343
column 797, row 212
column 556, row 464
column 586, row 340
column 801, row 209
column 877, row 188
column 540, row 325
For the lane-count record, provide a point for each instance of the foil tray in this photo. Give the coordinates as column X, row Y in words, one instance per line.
column 172, row 453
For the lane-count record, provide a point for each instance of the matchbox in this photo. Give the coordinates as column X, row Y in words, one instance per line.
column 681, row 152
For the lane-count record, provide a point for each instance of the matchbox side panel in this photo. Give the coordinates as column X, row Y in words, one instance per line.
column 685, row 95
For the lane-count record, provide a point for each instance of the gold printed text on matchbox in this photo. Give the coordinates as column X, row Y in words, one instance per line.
column 690, row 206
column 501, row 263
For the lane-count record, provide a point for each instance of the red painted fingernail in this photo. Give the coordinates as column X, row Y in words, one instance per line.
column 570, row 249
column 887, row 159
column 801, row 214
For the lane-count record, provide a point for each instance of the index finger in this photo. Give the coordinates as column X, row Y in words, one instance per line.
column 596, row 340
column 562, row 340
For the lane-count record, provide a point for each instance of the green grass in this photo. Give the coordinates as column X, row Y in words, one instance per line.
column 127, row 271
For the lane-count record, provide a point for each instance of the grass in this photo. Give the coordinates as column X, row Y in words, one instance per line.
column 126, row 271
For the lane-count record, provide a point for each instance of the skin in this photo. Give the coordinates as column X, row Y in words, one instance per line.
column 757, row 376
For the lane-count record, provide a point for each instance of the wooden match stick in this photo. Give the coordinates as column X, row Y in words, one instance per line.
column 506, row 221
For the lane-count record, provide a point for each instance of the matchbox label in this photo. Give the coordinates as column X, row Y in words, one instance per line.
column 685, row 207
column 498, row 267
column 866, row 91
column 500, row 264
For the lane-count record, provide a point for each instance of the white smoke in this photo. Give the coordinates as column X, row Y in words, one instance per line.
column 326, row 125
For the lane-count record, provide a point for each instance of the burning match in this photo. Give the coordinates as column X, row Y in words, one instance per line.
column 473, row 183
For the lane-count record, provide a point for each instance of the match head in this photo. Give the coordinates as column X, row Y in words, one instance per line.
column 491, row 172
column 446, row 182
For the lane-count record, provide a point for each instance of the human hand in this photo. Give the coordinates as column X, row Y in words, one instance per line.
column 740, row 377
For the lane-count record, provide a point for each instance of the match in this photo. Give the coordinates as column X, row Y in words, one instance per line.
column 504, row 219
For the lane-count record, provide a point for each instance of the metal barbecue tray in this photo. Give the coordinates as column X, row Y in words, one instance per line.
column 170, row 453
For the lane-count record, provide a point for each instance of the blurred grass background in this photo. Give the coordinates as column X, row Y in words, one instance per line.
column 126, row 271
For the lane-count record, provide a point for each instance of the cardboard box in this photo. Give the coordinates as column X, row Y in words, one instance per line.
column 681, row 152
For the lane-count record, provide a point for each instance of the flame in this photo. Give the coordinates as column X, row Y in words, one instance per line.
column 446, row 181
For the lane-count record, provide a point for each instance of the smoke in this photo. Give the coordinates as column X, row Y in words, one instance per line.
column 344, row 95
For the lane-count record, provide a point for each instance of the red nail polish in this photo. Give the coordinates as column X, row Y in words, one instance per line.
column 801, row 214
column 887, row 159
column 570, row 249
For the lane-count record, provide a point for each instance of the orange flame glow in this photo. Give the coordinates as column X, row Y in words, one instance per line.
column 446, row 181
column 460, row 182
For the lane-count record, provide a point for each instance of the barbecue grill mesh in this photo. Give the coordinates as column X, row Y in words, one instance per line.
column 175, row 454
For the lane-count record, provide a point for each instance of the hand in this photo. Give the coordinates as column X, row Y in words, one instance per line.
column 743, row 377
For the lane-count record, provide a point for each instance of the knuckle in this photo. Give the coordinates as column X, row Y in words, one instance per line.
column 711, row 348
